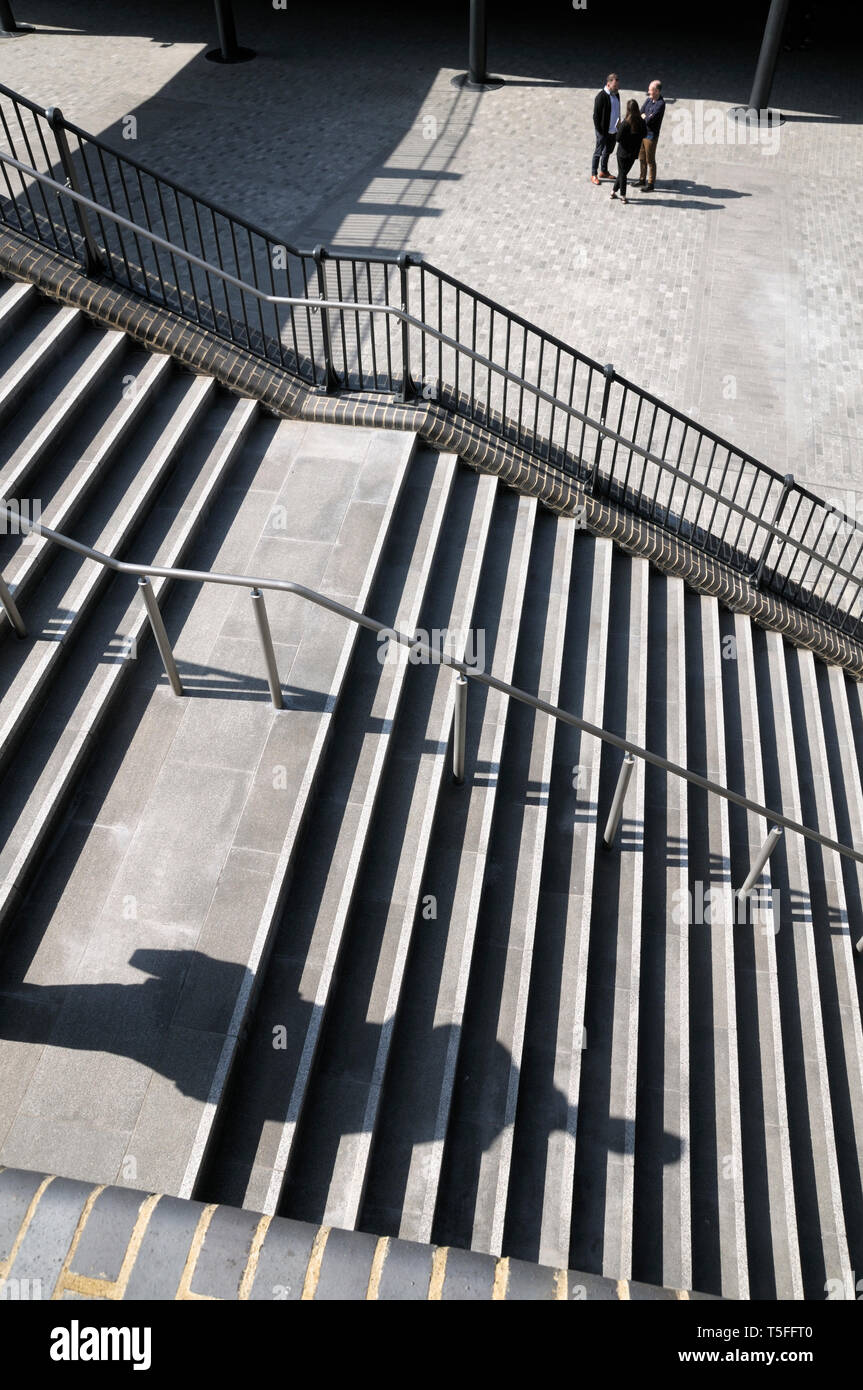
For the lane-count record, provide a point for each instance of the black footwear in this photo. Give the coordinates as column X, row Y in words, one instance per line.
column 648, row 188
column 614, row 195
column 639, row 183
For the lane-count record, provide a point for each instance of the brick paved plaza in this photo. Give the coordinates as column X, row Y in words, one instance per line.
column 732, row 292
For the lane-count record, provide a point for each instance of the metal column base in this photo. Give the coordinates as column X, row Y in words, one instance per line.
column 488, row 83
column 749, row 113
column 237, row 55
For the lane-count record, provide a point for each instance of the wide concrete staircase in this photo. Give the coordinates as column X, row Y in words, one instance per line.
column 279, row 960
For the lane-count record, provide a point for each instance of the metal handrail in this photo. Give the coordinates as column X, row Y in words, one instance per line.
column 318, row 303
column 801, row 571
column 462, row 668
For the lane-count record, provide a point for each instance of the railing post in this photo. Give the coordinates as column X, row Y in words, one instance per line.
column 266, row 637
column 608, row 369
column 11, row 608
column 407, row 391
column 760, row 860
column 788, row 484
column 460, row 730
column 93, row 263
column 161, row 636
column 331, row 382
column 617, row 802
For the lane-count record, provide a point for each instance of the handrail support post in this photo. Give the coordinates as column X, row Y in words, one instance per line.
column 11, row 607
column 761, row 859
column 460, row 729
column 260, row 607
column 623, row 779
column 153, row 613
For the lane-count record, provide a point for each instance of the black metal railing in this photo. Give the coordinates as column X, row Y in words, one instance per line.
column 447, row 344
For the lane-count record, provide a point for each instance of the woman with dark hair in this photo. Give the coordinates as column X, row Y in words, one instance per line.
column 630, row 133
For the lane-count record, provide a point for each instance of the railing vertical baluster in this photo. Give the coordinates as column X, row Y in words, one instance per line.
column 372, row 333
column 330, row 383
column 340, row 295
column 539, row 384
column 423, row 379
column 357, row 335
column 506, row 368
column 407, row 389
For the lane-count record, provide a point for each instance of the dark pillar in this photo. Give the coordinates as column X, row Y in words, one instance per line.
column 476, row 77
column 7, row 19
column 477, row 43
column 229, row 51
column 763, row 81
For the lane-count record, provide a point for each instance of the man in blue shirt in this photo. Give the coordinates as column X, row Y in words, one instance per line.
column 653, row 111
column 606, row 114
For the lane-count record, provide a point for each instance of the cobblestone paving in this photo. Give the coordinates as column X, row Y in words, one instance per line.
column 732, row 291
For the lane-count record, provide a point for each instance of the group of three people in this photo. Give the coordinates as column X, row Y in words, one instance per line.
column 635, row 133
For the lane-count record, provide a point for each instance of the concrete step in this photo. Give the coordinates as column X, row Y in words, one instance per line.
column 817, row 1186
column 441, row 865
column 97, row 945
column 17, row 298
column 260, row 766
column 314, row 925
column 718, row 1225
column 52, row 758
column 27, row 667
column 31, row 348
column 420, row 762
column 771, row 1218
column 662, row 1237
column 84, row 462
column 479, row 1090
column 56, row 404
column 813, row 714
column 262, row 1111
column 605, row 1167
column 539, row 1210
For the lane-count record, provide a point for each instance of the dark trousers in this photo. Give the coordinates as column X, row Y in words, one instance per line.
column 624, row 164
column 604, row 146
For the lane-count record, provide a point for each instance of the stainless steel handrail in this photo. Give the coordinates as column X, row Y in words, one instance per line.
column 402, row 316
column 288, row 586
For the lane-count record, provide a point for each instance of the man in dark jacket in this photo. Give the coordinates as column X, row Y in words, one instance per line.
column 606, row 114
column 653, row 111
